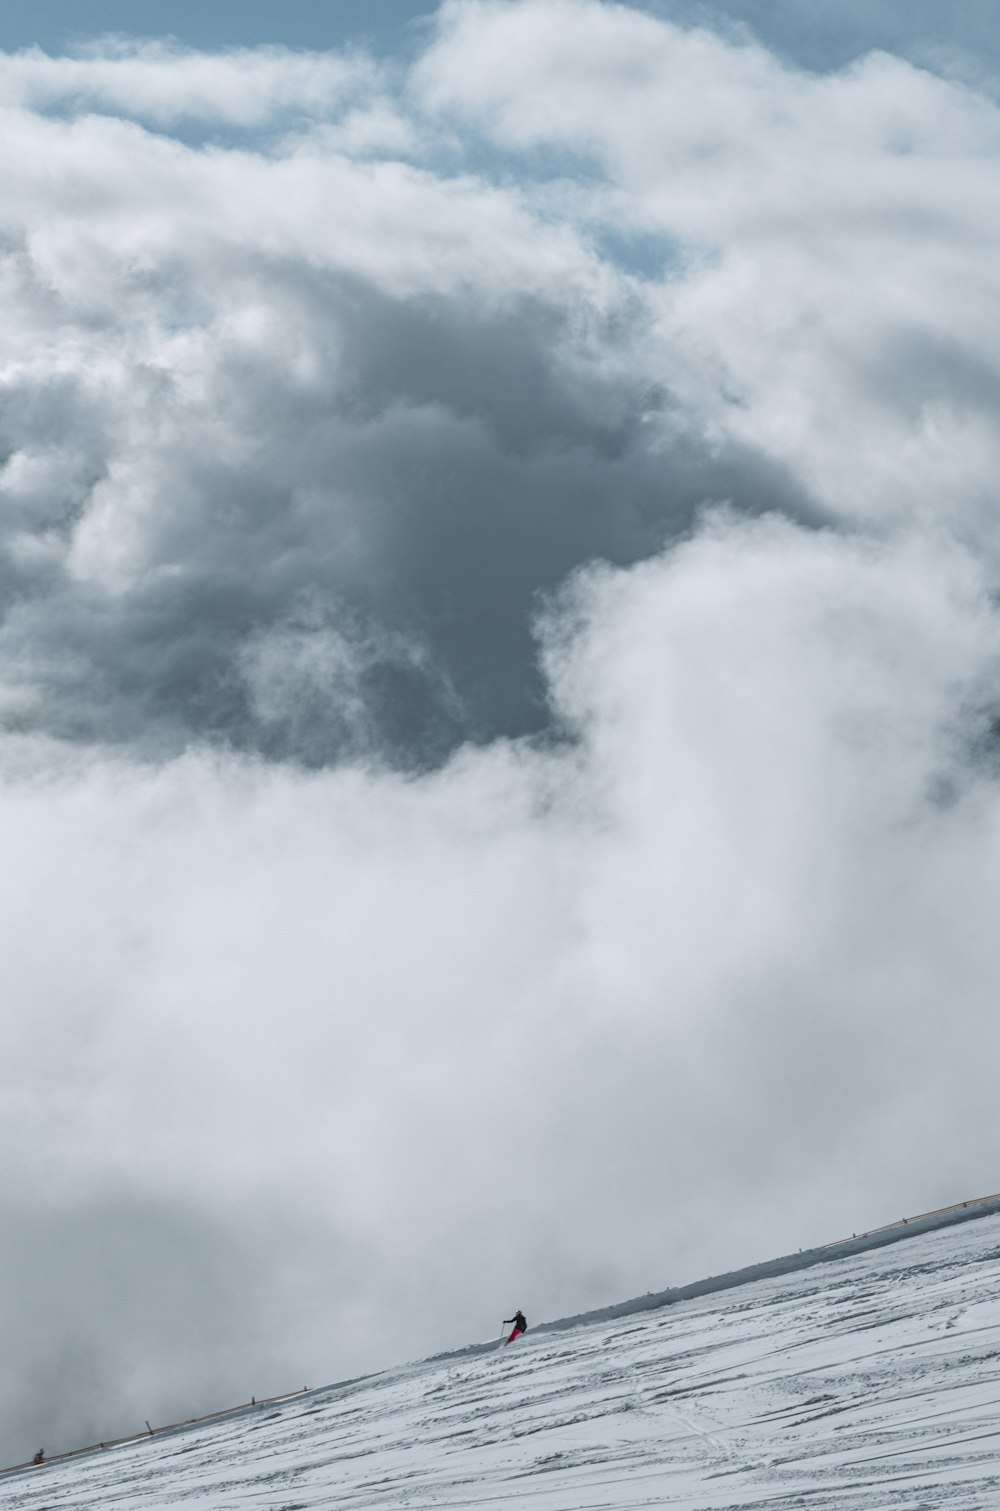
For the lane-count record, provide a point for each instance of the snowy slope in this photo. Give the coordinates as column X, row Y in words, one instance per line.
column 870, row 1381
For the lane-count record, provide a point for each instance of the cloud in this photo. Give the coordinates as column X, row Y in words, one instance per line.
column 833, row 233
column 498, row 649
column 241, row 383
column 164, row 84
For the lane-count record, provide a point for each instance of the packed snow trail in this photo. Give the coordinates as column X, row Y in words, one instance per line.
column 871, row 1381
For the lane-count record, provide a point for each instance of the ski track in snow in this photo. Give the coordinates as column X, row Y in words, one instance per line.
column 871, row 1381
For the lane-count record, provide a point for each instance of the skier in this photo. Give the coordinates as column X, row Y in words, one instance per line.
column 520, row 1326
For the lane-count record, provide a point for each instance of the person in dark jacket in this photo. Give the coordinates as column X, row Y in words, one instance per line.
column 520, row 1326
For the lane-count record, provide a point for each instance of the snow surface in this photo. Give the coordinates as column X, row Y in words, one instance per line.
column 869, row 1381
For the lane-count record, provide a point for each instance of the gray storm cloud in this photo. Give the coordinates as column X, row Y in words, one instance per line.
column 257, row 389
column 498, row 671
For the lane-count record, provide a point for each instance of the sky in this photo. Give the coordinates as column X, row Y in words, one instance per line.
column 816, row 35
column 498, row 670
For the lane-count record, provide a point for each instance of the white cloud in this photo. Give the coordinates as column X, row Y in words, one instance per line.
column 834, row 233
column 165, row 84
